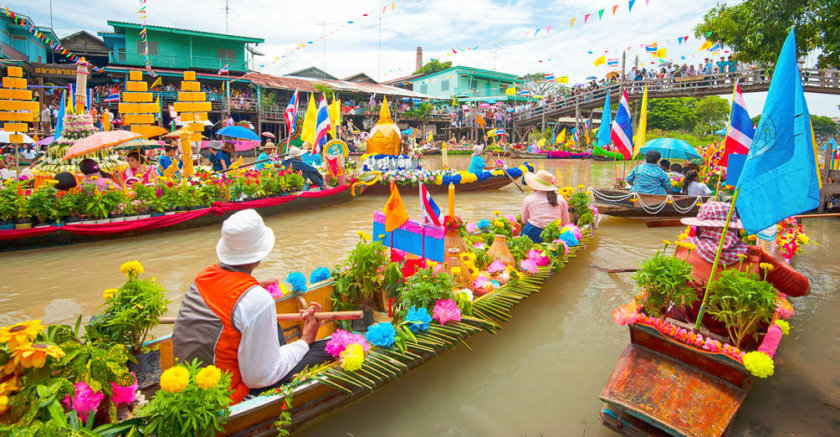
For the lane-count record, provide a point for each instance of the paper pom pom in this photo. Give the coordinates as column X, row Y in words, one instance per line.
column 503, row 278
column 484, row 224
column 276, row 290
column 771, row 340
column 84, row 400
column 784, row 309
column 472, row 228
column 538, row 257
column 759, row 364
column 529, row 266
column 418, row 319
column 445, row 311
column 297, row 281
column 626, row 314
column 569, row 238
column 341, row 339
column 564, row 244
column 381, row 334
column 594, row 209
column 124, row 395
column 511, row 218
column 319, row 274
column 575, row 230
column 496, row 267
column 480, row 245
column 465, row 293
column 352, row 358
column 784, row 326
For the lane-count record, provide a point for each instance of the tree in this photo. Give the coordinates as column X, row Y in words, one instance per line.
column 712, row 114
column 672, row 113
column 756, row 29
column 433, row 66
column 538, row 86
column 823, row 126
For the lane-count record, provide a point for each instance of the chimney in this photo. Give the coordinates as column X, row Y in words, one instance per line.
column 419, row 58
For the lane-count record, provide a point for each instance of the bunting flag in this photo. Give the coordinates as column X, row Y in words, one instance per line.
column 573, row 22
column 614, row 8
column 563, row 79
column 586, row 18
column 600, row 14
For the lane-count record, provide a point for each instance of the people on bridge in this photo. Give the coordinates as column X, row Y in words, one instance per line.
column 649, row 178
column 228, row 318
column 309, row 173
column 543, row 206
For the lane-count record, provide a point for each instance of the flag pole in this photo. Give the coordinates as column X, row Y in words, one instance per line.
column 716, row 262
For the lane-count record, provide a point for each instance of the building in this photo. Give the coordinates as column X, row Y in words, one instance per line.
column 312, row 73
column 360, row 78
column 19, row 45
column 178, row 49
column 465, row 83
column 88, row 46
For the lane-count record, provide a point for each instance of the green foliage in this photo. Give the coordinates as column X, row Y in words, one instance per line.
column 742, row 302
column 360, row 277
column 42, row 203
column 193, row 412
column 433, row 66
column 667, row 281
column 8, row 201
column 420, row 111
column 393, row 280
column 672, row 113
column 712, row 113
column 536, row 135
column 696, row 141
column 424, row 288
column 519, row 247
column 552, row 231
column 325, row 89
column 823, row 126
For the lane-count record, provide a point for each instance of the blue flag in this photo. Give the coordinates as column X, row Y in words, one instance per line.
column 606, row 122
column 779, row 178
column 59, row 120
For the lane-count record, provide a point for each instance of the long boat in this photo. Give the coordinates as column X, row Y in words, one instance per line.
column 489, row 184
column 332, row 388
column 553, row 154
column 631, row 205
column 50, row 235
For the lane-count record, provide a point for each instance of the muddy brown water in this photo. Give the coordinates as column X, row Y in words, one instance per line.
column 539, row 376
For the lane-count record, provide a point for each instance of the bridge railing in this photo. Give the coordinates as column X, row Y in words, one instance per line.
column 687, row 85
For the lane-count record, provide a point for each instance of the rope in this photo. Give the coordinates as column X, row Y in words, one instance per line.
column 365, row 183
column 652, row 209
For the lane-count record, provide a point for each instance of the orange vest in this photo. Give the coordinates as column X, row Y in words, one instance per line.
column 220, row 290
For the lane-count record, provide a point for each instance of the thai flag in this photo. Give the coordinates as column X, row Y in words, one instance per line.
column 612, row 62
column 291, row 113
column 499, row 132
column 223, row 70
column 622, row 131
column 114, row 97
column 323, row 126
column 651, row 47
column 525, row 93
column 549, row 77
column 740, row 135
column 431, row 212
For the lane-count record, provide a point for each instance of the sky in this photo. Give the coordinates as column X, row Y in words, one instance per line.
column 493, row 34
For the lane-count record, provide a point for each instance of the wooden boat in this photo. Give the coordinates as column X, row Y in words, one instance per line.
column 90, row 232
column 489, row 184
column 661, row 386
column 556, row 154
column 317, row 398
column 620, row 203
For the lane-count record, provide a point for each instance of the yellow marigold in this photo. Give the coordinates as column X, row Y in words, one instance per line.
column 667, row 243
column 20, row 333
column 51, row 182
column 759, row 364
column 456, row 271
column 588, row 193
column 581, row 187
column 36, row 355
column 766, row 266
column 431, row 264
column 471, row 256
column 784, row 326
column 208, row 377
column 498, row 223
column 109, row 293
column 352, row 357
column 497, row 212
column 669, row 201
column 131, row 269
column 175, row 379
column 690, row 246
column 4, row 403
column 751, row 237
column 803, row 239
column 634, row 200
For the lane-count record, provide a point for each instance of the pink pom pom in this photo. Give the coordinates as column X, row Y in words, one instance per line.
column 445, row 311
column 471, row 227
column 84, row 400
column 341, row 339
column 496, row 267
column 274, row 290
column 537, row 257
column 771, row 340
column 529, row 266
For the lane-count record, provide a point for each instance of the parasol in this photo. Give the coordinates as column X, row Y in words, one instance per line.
column 149, row 131
column 591, row 78
column 484, row 105
column 4, row 138
column 46, row 141
column 99, row 141
column 268, row 135
column 578, row 85
column 238, row 132
column 671, row 148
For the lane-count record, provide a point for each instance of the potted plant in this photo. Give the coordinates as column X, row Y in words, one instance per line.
column 423, row 289
column 360, row 278
column 8, row 207
column 41, row 204
column 24, row 221
column 742, row 302
column 665, row 281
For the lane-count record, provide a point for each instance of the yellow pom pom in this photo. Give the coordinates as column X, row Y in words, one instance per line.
column 109, row 293
column 352, row 358
column 759, row 364
column 784, row 326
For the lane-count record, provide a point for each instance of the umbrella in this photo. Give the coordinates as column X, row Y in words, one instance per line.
column 99, row 141
column 578, row 85
column 720, row 131
column 139, row 143
column 238, row 132
column 484, row 105
column 591, row 78
column 45, row 141
column 268, row 135
column 4, row 138
column 491, row 101
column 149, row 131
column 177, row 134
column 178, row 122
column 671, row 148
column 500, row 103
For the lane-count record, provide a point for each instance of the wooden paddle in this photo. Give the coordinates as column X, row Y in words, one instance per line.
column 296, row 317
column 504, row 168
column 613, row 270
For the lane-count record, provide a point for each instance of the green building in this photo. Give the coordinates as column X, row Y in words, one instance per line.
column 179, row 49
column 18, row 45
column 465, row 83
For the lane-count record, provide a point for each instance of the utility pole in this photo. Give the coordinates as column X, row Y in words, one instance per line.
column 379, row 68
column 227, row 9
column 324, row 43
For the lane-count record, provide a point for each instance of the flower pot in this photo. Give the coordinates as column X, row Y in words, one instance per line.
column 130, row 218
column 23, row 224
column 169, row 213
column 88, row 222
column 42, row 225
column 7, row 224
column 144, row 216
column 103, row 221
column 156, row 214
column 72, row 220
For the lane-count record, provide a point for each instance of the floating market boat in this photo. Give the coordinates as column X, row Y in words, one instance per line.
column 599, row 154
column 553, row 154
column 437, row 181
column 632, row 205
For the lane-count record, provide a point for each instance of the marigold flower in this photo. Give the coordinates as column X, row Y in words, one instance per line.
column 20, row 333
column 131, row 269
column 667, row 243
column 634, row 200
column 784, row 326
column 689, row 246
column 580, row 186
column 759, row 364
column 456, row 271
column 208, row 377
column 497, row 212
column 109, row 293
column 36, row 355
column 4, row 403
column 498, row 223
column 175, row 379
column 765, row 266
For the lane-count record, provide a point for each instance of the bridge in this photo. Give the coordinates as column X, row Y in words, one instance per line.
column 825, row 81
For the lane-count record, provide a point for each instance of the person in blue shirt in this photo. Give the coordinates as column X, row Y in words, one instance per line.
column 310, row 158
column 477, row 164
column 649, row 178
column 309, row 173
column 218, row 158
column 169, row 156
column 264, row 160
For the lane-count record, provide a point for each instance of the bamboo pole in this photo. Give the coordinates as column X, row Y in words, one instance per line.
column 296, row 317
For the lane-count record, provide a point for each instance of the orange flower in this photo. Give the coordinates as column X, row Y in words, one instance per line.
column 20, row 333
column 36, row 355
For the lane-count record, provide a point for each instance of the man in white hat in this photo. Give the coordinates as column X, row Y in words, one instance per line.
column 264, row 159
column 477, row 164
column 227, row 318
column 311, row 174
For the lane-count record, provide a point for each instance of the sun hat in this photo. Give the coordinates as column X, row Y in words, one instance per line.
column 215, row 145
column 713, row 215
column 477, row 149
column 295, row 152
column 245, row 239
column 540, row 181
column 269, row 145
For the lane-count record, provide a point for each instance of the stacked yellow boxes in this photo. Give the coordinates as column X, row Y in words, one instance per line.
column 137, row 109
column 16, row 106
column 192, row 106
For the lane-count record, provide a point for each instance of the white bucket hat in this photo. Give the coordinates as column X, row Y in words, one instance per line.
column 245, row 239
column 295, row 152
column 477, row 149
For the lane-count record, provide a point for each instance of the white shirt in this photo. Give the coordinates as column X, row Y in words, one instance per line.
column 698, row 189
column 262, row 360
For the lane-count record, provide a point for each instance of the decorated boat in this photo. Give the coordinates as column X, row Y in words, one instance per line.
column 599, row 154
column 632, row 205
column 552, row 154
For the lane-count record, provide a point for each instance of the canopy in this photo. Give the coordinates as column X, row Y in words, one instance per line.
column 720, row 131
column 99, row 141
column 178, row 122
column 671, row 148
column 238, row 132
column 46, row 141
column 4, row 138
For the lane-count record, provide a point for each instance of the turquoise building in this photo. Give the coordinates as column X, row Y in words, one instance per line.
column 465, row 83
column 179, row 49
column 17, row 44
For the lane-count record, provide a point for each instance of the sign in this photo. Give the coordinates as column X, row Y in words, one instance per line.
column 412, row 237
column 389, row 162
column 53, row 70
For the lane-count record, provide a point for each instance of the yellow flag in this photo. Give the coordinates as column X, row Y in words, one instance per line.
column 641, row 128
column 335, row 116
column 561, row 138
column 706, row 46
column 540, row 143
column 157, row 82
column 307, row 132
column 601, row 61
column 563, row 79
column 816, row 154
column 510, row 91
column 395, row 213
column 660, row 53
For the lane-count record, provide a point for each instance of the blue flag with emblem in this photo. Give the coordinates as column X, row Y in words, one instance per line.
column 779, row 178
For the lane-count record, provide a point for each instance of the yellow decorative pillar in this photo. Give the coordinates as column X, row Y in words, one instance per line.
column 81, row 85
column 136, row 106
column 17, row 109
column 192, row 106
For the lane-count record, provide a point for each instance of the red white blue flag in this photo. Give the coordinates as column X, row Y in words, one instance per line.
column 224, row 70
column 323, row 125
column 740, row 134
column 549, row 76
column 114, row 97
column 622, row 131
column 291, row 113
column 431, row 212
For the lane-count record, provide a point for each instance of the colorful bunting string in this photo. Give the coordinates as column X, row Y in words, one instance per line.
column 144, row 36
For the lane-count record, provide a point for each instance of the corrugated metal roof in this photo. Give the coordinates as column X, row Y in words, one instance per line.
column 308, row 85
column 126, row 24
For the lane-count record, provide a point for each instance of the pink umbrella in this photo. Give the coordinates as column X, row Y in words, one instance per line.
column 484, row 105
column 46, row 141
column 268, row 135
column 99, row 141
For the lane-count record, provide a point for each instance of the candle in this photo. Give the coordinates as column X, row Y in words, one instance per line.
column 451, row 199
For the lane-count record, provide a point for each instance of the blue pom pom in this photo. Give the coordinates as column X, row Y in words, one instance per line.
column 456, row 179
column 297, row 281
column 483, row 224
column 319, row 274
column 569, row 238
column 381, row 334
column 418, row 318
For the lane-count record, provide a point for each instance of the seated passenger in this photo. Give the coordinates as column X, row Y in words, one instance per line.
column 293, row 162
column 648, row 178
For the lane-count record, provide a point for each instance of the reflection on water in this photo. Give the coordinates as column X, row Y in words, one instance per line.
column 541, row 375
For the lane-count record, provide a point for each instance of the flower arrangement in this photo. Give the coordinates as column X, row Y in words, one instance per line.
column 446, row 176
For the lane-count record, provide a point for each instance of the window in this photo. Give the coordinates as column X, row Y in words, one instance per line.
column 424, row 88
column 141, row 47
column 444, row 85
column 227, row 56
column 18, row 38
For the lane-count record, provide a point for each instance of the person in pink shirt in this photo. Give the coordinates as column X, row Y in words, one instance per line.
column 543, row 206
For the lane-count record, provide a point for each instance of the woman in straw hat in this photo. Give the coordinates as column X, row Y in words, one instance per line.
column 543, row 206
column 477, row 164
column 264, row 159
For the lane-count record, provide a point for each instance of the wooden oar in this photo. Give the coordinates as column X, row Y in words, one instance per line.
column 504, row 170
column 613, row 270
column 296, row 317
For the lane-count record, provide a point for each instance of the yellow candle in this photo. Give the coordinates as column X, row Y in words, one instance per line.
column 451, row 199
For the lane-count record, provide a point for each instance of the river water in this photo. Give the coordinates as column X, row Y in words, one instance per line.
column 539, row 376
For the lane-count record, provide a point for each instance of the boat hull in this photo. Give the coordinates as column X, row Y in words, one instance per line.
column 618, row 203
column 563, row 155
column 489, row 184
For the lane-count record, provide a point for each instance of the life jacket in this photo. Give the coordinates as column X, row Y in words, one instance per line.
column 221, row 289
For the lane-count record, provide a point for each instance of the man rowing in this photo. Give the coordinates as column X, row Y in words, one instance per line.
column 228, row 319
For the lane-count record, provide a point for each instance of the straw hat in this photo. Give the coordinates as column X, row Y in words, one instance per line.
column 713, row 215
column 269, row 145
column 245, row 239
column 540, row 181
column 295, row 152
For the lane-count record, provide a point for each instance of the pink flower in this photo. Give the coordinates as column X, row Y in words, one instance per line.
column 565, row 246
column 124, row 395
column 274, row 290
column 575, row 230
column 511, row 218
column 341, row 339
column 479, row 245
column 481, row 282
column 446, row 310
column 594, row 209
column 496, row 267
column 529, row 266
column 626, row 314
column 84, row 400
column 471, row 227
column 538, row 258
